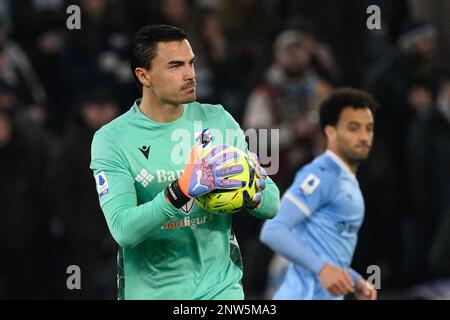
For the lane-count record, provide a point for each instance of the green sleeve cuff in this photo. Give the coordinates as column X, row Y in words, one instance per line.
column 270, row 202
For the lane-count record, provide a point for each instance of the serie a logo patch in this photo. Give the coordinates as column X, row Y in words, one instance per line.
column 309, row 184
column 102, row 184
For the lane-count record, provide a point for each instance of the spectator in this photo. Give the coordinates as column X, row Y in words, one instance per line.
column 429, row 181
column 390, row 79
column 23, row 215
column 404, row 81
column 17, row 71
column 250, row 27
column 288, row 100
column 89, row 244
column 98, row 53
column 215, row 68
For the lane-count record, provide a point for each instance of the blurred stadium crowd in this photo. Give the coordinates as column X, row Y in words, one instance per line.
column 269, row 63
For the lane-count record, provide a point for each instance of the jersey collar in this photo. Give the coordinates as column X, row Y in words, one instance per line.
column 152, row 122
column 340, row 162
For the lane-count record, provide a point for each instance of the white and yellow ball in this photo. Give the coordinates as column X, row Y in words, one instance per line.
column 232, row 201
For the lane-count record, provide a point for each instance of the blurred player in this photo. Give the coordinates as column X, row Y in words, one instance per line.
column 321, row 213
column 170, row 248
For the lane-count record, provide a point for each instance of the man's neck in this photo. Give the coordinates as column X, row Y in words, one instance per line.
column 352, row 166
column 157, row 111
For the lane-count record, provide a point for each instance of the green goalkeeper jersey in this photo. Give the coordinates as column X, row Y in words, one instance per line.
column 168, row 253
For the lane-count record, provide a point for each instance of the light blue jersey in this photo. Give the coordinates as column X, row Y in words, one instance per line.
column 318, row 223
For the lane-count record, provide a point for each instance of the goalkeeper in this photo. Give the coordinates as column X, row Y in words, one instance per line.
column 170, row 248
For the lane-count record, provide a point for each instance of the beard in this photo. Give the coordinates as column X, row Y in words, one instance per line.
column 354, row 155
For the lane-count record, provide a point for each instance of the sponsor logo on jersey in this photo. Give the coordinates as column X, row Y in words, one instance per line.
column 144, row 178
column 186, row 222
column 160, row 176
column 167, row 175
column 309, row 184
column 102, row 184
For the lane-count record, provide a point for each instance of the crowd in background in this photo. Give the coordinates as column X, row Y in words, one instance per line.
column 269, row 63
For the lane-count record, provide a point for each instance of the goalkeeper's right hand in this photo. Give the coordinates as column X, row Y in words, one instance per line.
column 203, row 174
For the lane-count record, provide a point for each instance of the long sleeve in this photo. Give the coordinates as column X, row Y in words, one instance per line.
column 278, row 234
column 128, row 223
column 270, row 203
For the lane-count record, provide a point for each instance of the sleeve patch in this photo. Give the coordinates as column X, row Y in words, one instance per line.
column 102, row 184
column 309, row 184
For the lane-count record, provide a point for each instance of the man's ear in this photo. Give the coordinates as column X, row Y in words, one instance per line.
column 143, row 75
column 330, row 132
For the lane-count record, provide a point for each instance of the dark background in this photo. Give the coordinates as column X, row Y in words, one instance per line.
column 58, row 86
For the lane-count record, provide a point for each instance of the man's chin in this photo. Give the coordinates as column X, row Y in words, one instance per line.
column 362, row 153
column 357, row 157
column 190, row 98
column 184, row 101
column 189, row 101
column 360, row 157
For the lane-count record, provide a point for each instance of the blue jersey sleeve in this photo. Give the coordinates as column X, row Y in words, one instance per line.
column 278, row 235
column 311, row 189
column 307, row 193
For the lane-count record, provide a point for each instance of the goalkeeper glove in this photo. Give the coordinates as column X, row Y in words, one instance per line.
column 261, row 175
column 203, row 174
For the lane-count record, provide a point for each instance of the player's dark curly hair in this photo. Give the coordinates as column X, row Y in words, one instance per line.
column 143, row 46
column 331, row 108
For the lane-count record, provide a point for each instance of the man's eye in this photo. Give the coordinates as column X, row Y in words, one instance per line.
column 175, row 66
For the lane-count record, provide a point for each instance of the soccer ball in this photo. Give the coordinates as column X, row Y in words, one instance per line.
column 232, row 201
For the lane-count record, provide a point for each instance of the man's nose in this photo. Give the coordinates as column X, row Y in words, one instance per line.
column 189, row 74
column 365, row 136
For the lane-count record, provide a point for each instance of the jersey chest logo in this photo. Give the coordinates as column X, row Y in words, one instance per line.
column 145, row 151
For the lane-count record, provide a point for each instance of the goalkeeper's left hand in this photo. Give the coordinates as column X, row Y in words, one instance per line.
column 261, row 175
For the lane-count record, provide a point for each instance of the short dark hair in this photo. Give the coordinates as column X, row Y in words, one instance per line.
column 143, row 46
column 331, row 108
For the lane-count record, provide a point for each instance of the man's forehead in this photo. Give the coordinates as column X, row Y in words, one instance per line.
column 174, row 50
column 350, row 114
